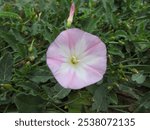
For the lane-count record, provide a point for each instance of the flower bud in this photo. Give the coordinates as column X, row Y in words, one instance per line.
column 32, row 58
column 71, row 14
column 6, row 86
column 30, row 49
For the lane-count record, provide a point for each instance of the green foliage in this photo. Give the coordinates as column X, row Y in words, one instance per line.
column 79, row 102
column 6, row 63
column 60, row 92
column 27, row 28
column 139, row 78
column 100, row 99
column 10, row 15
column 29, row 103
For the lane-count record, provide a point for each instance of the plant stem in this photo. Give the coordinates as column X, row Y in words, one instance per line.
column 136, row 66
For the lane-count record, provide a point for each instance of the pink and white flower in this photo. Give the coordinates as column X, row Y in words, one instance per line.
column 77, row 58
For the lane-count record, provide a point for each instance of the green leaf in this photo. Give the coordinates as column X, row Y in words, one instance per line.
column 39, row 75
column 115, row 51
column 61, row 92
column 121, row 33
column 147, row 83
column 79, row 101
column 29, row 11
column 100, row 99
column 144, row 103
column 6, row 63
column 139, row 78
column 128, row 90
column 113, row 98
column 7, row 37
column 109, row 8
column 92, row 24
column 92, row 88
column 29, row 86
column 18, row 36
column 4, row 14
column 29, row 103
column 4, row 98
column 36, row 28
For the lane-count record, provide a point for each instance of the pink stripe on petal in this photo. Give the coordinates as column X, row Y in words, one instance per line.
column 99, row 63
column 53, row 65
column 74, row 36
column 89, row 77
column 65, row 76
column 72, row 9
column 99, row 69
column 72, row 78
column 77, row 83
column 93, row 75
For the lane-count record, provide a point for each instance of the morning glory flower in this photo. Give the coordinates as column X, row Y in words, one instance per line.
column 77, row 59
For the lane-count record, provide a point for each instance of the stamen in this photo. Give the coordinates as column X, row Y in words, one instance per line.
column 74, row 60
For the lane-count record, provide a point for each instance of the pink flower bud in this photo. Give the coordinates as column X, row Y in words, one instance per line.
column 71, row 14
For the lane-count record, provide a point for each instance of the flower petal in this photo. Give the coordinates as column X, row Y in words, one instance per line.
column 77, row 78
column 72, row 78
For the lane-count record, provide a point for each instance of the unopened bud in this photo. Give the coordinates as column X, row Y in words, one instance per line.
column 71, row 14
column 30, row 49
column 32, row 58
column 28, row 63
column 6, row 86
column 135, row 70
